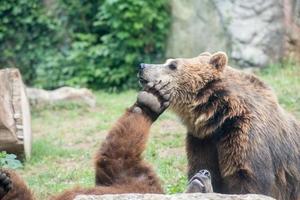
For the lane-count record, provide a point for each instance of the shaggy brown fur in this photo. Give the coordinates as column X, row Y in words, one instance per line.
column 236, row 128
column 19, row 191
column 120, row 167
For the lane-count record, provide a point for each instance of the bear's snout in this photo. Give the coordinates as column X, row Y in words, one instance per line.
column 142, row 66
column 142, row 80
column 150, row 73
column 141, row 73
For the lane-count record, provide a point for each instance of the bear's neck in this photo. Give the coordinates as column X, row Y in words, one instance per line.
column 196, row 110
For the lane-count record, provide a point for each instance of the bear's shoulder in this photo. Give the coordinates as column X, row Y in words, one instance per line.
column 244, row 82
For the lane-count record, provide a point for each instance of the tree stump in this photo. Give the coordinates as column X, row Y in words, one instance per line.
column 15, row 119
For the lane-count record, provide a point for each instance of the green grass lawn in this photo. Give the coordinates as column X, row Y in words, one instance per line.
column 67, row 136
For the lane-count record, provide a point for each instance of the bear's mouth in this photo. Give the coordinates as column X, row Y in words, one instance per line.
column 198, row 181
column 143, row 81
column 198, row 178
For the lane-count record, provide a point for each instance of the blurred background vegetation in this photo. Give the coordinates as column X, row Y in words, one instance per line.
column 99, row 43
column 93, row 43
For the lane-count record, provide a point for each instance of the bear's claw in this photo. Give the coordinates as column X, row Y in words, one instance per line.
column 154, row 99
column 5, row 182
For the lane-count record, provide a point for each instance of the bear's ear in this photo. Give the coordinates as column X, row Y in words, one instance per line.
column 219, row 60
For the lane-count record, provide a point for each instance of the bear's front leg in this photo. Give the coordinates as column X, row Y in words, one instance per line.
column 202, row 154
column 129, row 137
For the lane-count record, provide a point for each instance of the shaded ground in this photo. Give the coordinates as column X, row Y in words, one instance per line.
column 67, row 136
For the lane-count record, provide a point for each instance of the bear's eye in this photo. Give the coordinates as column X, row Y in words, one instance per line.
column 173, row 66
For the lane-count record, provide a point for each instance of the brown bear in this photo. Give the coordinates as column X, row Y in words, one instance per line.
column 235, row 127
column 120, row 167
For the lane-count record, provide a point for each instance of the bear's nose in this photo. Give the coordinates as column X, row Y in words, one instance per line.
column 205, row 173
column 142, row 65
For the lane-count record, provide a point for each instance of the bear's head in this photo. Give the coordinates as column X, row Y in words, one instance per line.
column 185, row 76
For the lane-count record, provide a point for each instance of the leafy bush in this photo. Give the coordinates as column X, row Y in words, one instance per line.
column 94, row 43
column 134, row 31
column 9, row 161
column 105, row 55
column 26, row 33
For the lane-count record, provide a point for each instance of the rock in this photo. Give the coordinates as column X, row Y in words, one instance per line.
column 194, row 196
column 253, row 33
column 195, row 28
column 256, row 30
column 64, row 94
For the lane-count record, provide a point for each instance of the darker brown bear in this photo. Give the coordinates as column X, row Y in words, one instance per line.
column 236, row 128
column 120, row 167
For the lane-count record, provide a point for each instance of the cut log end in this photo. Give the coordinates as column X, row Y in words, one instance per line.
column 15, row 119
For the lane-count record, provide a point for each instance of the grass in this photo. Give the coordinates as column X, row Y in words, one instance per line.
column 285, row 80
column 67, row 136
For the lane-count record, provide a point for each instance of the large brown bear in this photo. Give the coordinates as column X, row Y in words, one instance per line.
column 120, row 167
column 236, row 128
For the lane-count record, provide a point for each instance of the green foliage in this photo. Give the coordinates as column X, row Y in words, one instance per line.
column 134, row 31
column 284, row 78
column 95, row 43
column 26, row 33
column 9, row 161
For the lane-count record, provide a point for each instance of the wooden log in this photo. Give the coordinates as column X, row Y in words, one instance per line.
column 15, row 119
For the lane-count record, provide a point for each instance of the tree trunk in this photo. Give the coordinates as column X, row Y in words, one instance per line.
column 15, row 120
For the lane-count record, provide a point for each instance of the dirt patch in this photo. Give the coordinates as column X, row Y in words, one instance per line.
column 171, row 126
column 90, row 142
column 172, row 151
column 167, row 126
